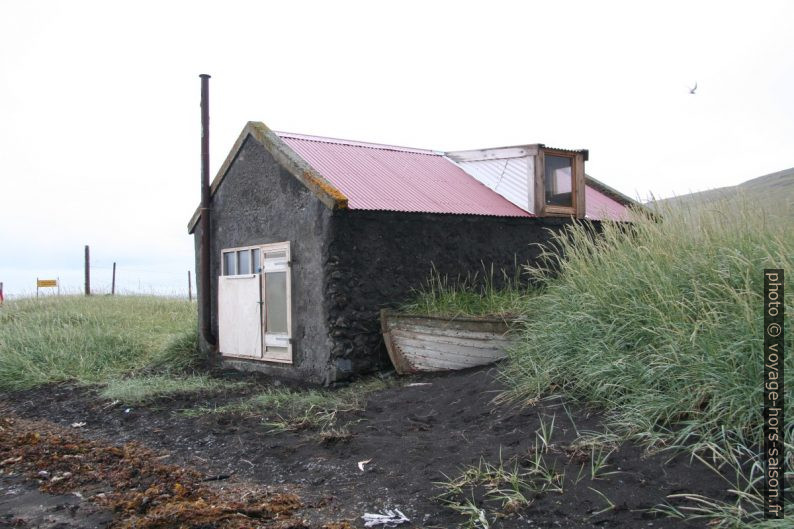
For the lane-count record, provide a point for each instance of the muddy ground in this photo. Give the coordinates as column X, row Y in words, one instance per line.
column 422, row 431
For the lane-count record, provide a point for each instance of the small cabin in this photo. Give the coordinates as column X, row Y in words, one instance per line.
column 311, row 236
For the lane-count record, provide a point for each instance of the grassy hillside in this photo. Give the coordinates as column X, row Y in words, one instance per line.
column 92, row 339
column 663, row 325
column 779, row 185
column 662, row 328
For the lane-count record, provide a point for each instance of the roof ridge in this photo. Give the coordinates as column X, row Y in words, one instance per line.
column 356, row 143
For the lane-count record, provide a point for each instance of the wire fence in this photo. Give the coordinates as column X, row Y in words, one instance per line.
column 132, row 280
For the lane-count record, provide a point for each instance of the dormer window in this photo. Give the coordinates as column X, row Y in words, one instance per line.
column 559, row 183
column 544, row 181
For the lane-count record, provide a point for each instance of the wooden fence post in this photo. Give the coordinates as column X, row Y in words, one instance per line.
column 113, row 283
column 87, row 272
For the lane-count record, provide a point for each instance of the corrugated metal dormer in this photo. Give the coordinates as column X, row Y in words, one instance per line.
column 508, row 171
column 522, row 175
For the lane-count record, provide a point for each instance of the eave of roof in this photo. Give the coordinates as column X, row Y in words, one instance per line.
column 610, row 191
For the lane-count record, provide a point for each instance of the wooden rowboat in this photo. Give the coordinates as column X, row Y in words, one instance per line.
column 431, row 343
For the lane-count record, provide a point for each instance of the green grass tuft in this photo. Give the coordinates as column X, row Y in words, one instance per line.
column 284, row 409
column 486, row 294
column 180, row 353
column 93, row 339
column 144, row 388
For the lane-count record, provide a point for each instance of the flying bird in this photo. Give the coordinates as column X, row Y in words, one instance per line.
column 692, row 90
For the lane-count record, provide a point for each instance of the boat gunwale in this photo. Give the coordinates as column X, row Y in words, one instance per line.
column 395, row 314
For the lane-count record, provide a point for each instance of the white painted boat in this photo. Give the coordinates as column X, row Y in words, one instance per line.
column 431, row 343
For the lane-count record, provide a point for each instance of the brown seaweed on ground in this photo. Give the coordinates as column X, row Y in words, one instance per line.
column 131, row 481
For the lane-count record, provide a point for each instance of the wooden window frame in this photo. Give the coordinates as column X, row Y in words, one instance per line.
column 235, row 250
column 577, row 207
column 260, row 271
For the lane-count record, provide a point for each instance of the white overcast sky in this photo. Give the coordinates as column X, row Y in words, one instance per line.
column 99, row 103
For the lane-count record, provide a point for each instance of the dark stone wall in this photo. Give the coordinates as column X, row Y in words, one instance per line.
column 259, row 202
column 377, row 257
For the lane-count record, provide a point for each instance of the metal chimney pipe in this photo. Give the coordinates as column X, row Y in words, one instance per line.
column 204, row 211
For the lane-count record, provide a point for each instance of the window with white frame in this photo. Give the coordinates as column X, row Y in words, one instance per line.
column 271, row 262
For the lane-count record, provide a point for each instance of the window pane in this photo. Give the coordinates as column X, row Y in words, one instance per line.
column 243, row 262
column 559, row 180
column 276, row 255
column 276, row 302
column 274, row 349
column 228, row 264
column 255, row 258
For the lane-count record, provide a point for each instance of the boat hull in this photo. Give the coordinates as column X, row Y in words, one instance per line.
column 427, row 343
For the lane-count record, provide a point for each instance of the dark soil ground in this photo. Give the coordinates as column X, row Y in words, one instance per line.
column 423, row 431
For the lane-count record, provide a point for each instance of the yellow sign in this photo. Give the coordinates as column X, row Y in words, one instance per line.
column 41, row 283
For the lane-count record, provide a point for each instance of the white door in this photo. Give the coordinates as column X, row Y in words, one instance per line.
column 240, row 316
column 276, row 295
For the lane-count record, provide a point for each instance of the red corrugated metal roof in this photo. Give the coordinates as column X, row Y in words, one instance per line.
column 599, row 206
column 386, row 177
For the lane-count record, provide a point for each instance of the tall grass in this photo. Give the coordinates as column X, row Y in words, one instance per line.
column 93, row 339
column 661, row 324
column 484, row 293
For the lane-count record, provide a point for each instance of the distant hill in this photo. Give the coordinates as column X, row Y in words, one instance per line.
column 775, row 186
